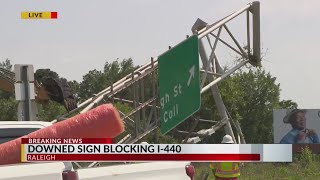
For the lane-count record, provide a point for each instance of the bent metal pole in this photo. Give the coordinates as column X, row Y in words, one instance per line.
column 204, row 89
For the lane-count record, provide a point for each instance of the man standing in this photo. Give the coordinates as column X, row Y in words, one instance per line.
column 226, row 170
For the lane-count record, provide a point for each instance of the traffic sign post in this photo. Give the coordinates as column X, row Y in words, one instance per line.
column 179, row 81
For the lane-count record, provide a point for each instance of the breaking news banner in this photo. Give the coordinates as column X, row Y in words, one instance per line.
column 33, row 150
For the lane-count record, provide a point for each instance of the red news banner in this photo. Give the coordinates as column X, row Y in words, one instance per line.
column 83, row 149
column 41, row 149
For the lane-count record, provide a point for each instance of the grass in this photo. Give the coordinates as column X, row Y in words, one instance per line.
column 304, row 166
column 253, row 171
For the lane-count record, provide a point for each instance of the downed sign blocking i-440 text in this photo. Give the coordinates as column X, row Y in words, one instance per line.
column 179, row 81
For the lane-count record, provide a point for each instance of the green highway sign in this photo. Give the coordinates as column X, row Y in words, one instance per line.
column 179, row 81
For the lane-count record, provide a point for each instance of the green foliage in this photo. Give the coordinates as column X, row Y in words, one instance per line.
column 123, row 107
column 50, row 111
column 6, row 95
column 155, row 137
column 250, row 97
column 117, row 70
column 289, row 104
column 252, row 171
column 75, row 88
column 92, row 83
column 74, row 85
column 8, row 105
column 43, row 74
column 306, row 157
column 95, row 81
column 6, row 65
column 255, row 96
column 8, row 109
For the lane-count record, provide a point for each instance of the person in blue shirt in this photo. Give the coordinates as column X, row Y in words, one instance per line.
column 299, row 133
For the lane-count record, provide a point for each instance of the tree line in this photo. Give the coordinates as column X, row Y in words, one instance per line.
column 250, row 96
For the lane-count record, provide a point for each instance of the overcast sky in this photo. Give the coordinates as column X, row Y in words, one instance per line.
column 89, row 33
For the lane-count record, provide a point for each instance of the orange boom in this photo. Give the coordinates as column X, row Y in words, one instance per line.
column 101, row 122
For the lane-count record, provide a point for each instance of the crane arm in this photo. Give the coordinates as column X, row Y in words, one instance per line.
column 54, row 89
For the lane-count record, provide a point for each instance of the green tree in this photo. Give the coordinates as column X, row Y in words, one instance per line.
column 155, row 137
column 75, row 88
column 117, row 70
column 9, row 106
column 112, row 71
column 250, row 97
column 95, row 81
column 6, row 65
column 8, row 109
column 50, row 111
column 42, row 74
column 123, row 107
column 289, row 104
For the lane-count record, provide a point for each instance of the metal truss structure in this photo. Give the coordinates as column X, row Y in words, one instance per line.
column 142, row 84
column 142, row 90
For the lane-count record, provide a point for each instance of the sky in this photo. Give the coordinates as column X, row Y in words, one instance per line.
column 89, row 33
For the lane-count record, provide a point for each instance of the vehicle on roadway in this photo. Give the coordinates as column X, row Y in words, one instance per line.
column 10, row 130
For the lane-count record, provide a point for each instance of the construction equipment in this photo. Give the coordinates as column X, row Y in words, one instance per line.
column 145, row 115
column 46, row 88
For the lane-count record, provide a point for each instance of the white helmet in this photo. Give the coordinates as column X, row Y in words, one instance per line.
column 144, row 143
column 227, row 139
